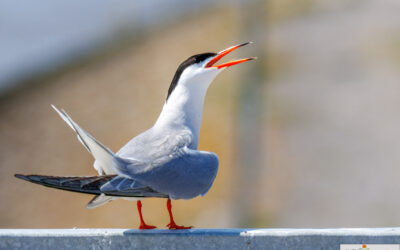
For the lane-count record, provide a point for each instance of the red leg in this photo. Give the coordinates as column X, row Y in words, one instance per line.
column 142, row 224
column 172, row 224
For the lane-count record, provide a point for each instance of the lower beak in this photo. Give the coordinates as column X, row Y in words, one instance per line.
column 226, row 52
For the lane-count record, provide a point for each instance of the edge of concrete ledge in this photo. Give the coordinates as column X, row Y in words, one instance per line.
column 389, row 231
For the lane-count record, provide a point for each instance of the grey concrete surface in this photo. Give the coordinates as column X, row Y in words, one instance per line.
column 194, row 238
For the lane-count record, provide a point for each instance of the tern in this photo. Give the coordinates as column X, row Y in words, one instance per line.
column 161, row 162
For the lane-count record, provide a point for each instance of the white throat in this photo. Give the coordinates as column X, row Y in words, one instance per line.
column 184, row 107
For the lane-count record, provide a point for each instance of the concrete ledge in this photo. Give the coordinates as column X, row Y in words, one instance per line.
column 194, row 238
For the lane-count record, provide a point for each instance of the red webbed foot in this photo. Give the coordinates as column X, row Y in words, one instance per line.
column 173, row 226
column 145, row 226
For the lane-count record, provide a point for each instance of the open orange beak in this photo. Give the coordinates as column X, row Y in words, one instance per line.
column 226, row 52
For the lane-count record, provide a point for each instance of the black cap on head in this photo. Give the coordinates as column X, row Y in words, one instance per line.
column 191, row 60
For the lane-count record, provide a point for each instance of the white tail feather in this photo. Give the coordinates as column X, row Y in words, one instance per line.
column 99, row 200
column 101, row 153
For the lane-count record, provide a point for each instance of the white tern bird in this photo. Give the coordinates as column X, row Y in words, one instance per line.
column 161, row 162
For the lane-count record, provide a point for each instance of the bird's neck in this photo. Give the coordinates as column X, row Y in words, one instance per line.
column 183, row 110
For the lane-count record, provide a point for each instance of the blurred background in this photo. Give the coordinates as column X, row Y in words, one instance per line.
column 307, row 136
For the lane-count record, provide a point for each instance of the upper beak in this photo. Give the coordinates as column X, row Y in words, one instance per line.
column 226, row 52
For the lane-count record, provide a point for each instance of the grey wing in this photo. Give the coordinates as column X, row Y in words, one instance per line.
column 126, row 187
column 151, row 145
column 184, row 174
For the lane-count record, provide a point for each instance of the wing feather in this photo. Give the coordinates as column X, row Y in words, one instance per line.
column 183, row 175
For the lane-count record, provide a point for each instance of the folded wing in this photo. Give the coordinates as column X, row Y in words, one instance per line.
column 183, row 174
